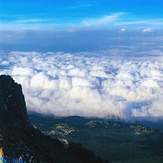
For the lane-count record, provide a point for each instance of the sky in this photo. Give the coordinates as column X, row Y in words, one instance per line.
column 75, row 25
column 41, row 14
column 98, row 58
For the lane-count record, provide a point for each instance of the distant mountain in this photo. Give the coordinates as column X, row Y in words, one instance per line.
column 114, row 141
column 156, row 124
column 18, row 136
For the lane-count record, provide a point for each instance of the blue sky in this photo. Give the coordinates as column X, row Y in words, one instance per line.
column 75, row 26
column 41, row 14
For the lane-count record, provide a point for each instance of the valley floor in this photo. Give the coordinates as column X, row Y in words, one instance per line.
column 114, row 141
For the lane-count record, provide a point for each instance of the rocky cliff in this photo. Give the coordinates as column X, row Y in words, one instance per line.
column 17, row 135
column 12, row 104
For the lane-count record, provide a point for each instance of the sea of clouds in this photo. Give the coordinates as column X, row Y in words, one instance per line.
column 87, row 84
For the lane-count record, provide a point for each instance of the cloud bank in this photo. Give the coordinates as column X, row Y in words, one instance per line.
column 87, row 84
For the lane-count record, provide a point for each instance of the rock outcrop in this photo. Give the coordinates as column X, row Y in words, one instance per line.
column 12, row 104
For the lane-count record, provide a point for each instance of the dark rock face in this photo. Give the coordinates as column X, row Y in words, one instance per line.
column 18, row 134
column 12, row 103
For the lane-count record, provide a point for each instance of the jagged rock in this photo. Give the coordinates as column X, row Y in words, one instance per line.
column 12, row 104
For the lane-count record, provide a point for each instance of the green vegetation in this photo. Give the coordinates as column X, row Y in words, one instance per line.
column 114, row 141
column 60, row 131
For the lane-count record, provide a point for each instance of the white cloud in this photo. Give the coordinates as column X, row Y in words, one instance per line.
column 140, row 23
column 123, row 29
column 147, row 30
column 77, row 72
column 5, row 63
column 104, row 20
column 22, row 71
column 30, row 20
column 81, row 6
column 65, row 84
column 42, row 80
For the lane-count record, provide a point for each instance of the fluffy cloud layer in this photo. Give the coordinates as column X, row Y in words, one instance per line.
column 84, row 84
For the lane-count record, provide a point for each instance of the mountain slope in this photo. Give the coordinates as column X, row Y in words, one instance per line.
column 17, row 135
